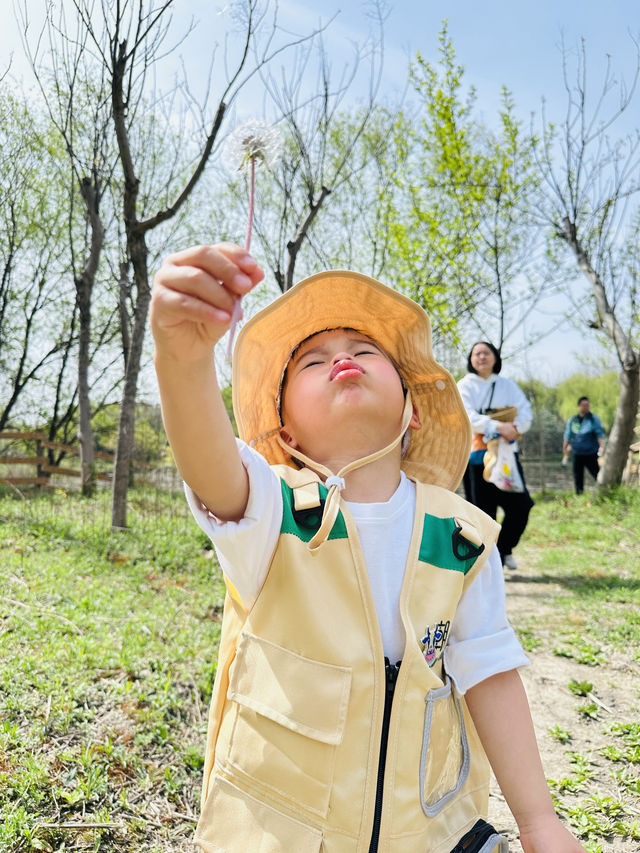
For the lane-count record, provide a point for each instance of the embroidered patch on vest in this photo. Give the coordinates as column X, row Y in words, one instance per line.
column 444, row 546
column 434, row 641
column 304, row 523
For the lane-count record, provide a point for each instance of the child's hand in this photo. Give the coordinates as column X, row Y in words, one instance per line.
column 193, row 295
column 549, row 836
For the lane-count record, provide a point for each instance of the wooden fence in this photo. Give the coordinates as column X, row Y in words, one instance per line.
column 14, row 467
column 24, row 461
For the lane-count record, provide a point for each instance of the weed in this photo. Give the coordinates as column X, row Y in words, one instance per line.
column 528, row 640
column 627, row 780
column 580, row 688
column 627, row 747
column 560, row 734
column 582, row 774
column 589, row 710
column 580, row 650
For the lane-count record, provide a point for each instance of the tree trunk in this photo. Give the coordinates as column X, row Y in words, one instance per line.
column 126, row 425
column 293, row 246
column 84, row 289
column 543, row 478
column 85, row 433
column 125, row 320
column 621, row 435
column 622, row 431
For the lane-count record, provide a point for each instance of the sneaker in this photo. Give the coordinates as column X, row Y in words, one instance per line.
column 509, row 562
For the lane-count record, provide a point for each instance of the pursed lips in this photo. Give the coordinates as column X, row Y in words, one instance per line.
column 345, row 366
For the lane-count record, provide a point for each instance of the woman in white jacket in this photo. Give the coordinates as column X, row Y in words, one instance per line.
column 483, row 391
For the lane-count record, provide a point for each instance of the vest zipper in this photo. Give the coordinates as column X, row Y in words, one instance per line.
column 391, row 676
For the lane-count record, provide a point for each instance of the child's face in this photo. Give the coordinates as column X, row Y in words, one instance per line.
column 340, row 387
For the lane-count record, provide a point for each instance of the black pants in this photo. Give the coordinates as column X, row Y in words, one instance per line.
column 580, row 462
column 516, row 505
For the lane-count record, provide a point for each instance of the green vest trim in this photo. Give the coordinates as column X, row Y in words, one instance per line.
column 437, row 548
column 304, row 524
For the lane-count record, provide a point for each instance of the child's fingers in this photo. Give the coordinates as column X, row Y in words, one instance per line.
column 173, row 307
column 243, row 259
column 197, row 283
column 227, row 263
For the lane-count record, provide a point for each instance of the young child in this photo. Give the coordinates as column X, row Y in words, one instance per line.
column 366, row 668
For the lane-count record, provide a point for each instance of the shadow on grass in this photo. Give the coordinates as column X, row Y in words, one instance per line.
column 582, row 583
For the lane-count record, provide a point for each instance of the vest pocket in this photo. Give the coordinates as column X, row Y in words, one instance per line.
column 290, row 714
column 445, row 758
column 234, row 822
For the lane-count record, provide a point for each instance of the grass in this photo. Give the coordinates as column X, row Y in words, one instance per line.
column 108, row 656
column 583, row 556
column 109, row 645
column 587, row 551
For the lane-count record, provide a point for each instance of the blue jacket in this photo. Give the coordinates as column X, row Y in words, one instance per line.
column 583, row 433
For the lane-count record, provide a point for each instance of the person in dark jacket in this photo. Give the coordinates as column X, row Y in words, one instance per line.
column 584, row 438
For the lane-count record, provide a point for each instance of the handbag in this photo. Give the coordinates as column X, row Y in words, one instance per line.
column 482, row 838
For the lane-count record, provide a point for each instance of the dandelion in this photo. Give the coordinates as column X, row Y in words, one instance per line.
column 251, row 142
column 254, row 140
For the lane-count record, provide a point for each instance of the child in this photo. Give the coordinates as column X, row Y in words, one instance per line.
column 344, row 550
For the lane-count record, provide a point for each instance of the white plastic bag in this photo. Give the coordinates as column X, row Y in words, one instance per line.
column 500, row 466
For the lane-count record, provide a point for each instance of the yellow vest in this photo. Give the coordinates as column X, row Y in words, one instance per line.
column 296, row 714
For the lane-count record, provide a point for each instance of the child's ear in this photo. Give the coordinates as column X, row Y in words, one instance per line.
column 415, row 422
column 288, row 439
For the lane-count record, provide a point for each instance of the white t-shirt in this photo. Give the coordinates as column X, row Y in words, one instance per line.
column 481, row 643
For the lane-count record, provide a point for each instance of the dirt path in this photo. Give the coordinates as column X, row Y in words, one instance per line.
column 553, row 704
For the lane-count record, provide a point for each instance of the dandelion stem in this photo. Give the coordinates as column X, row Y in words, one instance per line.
column 247, row 244
column 252, row 195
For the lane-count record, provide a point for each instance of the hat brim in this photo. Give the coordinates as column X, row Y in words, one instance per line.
column 438, row 452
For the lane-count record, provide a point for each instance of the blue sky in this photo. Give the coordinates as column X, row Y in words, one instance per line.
column 499, row 43
column 512, row 43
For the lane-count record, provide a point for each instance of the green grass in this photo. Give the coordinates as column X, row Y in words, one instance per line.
column 586, row 553
column 108, row 653
column 108, row 656
column 583, row 556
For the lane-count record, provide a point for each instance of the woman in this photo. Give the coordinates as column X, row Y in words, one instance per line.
column 483, row 392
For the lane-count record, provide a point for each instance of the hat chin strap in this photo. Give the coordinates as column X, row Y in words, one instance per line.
column 335, row 482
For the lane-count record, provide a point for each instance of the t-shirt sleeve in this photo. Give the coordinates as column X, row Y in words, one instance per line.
column 245, row 548
column 482, row 642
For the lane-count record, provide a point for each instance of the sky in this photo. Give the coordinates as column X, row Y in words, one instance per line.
column 499, row 43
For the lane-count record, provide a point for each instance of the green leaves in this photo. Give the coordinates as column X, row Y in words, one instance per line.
column 460, row 231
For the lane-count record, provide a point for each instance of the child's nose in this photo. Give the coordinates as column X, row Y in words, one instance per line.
column 341, row 356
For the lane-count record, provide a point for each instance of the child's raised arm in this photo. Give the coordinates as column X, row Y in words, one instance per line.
column 193, row 296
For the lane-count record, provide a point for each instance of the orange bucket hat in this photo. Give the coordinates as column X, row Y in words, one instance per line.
column 438, row 452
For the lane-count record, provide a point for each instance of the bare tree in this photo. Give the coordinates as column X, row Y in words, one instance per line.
column 125, row 41
column 77, row 99
column 508, row 243
column 34, row 327
column 590, row 184
column 38, row 298
column 323, row 136
column 351, row 231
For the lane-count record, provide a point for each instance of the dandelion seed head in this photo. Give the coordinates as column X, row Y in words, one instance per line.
column 254, row 140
